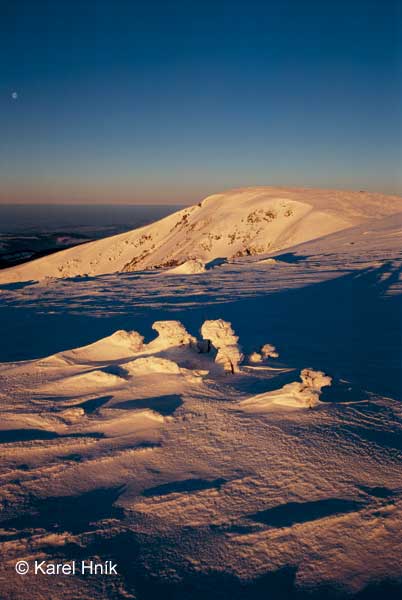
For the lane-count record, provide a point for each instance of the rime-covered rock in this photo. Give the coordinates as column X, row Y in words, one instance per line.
column 269, row 351
column 255, row 357
column 266, row 351
column 315, row 380
column 171, row 333
column 222, row 337
column 311, row 385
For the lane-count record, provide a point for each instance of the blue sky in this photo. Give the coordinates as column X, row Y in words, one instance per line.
column 165, row 102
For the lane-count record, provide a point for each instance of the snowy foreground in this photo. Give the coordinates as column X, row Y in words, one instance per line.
column 223, row 431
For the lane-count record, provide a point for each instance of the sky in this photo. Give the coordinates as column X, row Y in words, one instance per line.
column 165, row 102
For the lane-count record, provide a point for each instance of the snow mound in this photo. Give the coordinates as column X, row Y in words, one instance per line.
column 189, row 267
column 220, row 335
column 151, row 364
column 121, row 344
column 293, row 395
column 236, row 223
column 97, row 378
column 138, row 424
column 84, row 383
column 267, row 261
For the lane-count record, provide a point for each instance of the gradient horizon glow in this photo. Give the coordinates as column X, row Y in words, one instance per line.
column 165, row 102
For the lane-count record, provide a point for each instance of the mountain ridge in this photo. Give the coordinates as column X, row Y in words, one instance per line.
column 237, row 222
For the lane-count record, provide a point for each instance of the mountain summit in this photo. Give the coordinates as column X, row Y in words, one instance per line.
column 235, row 223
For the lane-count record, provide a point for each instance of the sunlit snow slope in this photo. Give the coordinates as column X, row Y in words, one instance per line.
column 235, row 223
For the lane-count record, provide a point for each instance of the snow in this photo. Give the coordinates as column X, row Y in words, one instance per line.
column 121, row 344
column 149, row 365
column 240, row 222
column 171, row 333
column 266, row 351
column 125, row 397
column 269, row 351
column 298, row 395
column 189, row 267
column 220, row 335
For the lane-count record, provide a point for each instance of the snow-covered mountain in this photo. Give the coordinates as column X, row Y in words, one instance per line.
column 232, row 224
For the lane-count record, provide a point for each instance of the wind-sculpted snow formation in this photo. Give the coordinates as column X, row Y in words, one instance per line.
column 65, row 386
column 236, row 223
column 88, row 390
column 305, row 394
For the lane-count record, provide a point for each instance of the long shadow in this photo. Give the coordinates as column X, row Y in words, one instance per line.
column 290, row 257
column 90, row 406
column 344, row 326
column 343, row 391
column 30, row 435
column 187, row 485
column 387, row 439
column 259, row 385
column 164, row 405
column 69, row 513
column 285, row 515
column 216, row 262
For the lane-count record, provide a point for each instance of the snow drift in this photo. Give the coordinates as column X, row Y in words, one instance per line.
column 304, row 394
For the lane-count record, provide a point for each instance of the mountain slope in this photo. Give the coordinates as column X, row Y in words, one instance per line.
column 235, row 223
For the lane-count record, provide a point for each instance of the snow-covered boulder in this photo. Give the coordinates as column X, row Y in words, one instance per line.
column 189, row 267
column 220, row 335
